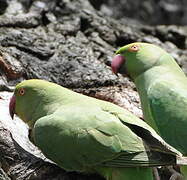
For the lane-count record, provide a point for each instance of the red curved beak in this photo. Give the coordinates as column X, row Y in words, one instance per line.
column 117, row 62
column 12, row 105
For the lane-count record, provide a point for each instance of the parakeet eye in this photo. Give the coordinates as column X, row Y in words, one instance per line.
column 134, row 48
column 21, row 91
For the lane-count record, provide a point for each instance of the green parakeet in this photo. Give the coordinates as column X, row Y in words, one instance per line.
column 162, row 87
column 83, row 134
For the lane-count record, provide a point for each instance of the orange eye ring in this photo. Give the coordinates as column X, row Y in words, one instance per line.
column 134, row 48
column 21, row 91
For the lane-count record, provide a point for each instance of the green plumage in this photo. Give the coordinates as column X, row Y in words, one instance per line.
column 162, row 87
column 84, row 134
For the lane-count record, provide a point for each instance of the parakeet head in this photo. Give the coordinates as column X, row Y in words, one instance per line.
column 135, row 58
column 32, row 99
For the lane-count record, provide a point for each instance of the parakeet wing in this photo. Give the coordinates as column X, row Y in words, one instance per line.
column 77, row 138
column 167, row 104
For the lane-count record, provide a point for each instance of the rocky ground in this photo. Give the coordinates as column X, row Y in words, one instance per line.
column 72, row 42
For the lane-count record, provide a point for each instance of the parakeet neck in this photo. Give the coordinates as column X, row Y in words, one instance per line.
column 166, row 68
column 50, row 103
column 41, row 109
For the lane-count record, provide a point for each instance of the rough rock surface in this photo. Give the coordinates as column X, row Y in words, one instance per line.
column 69, row 42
